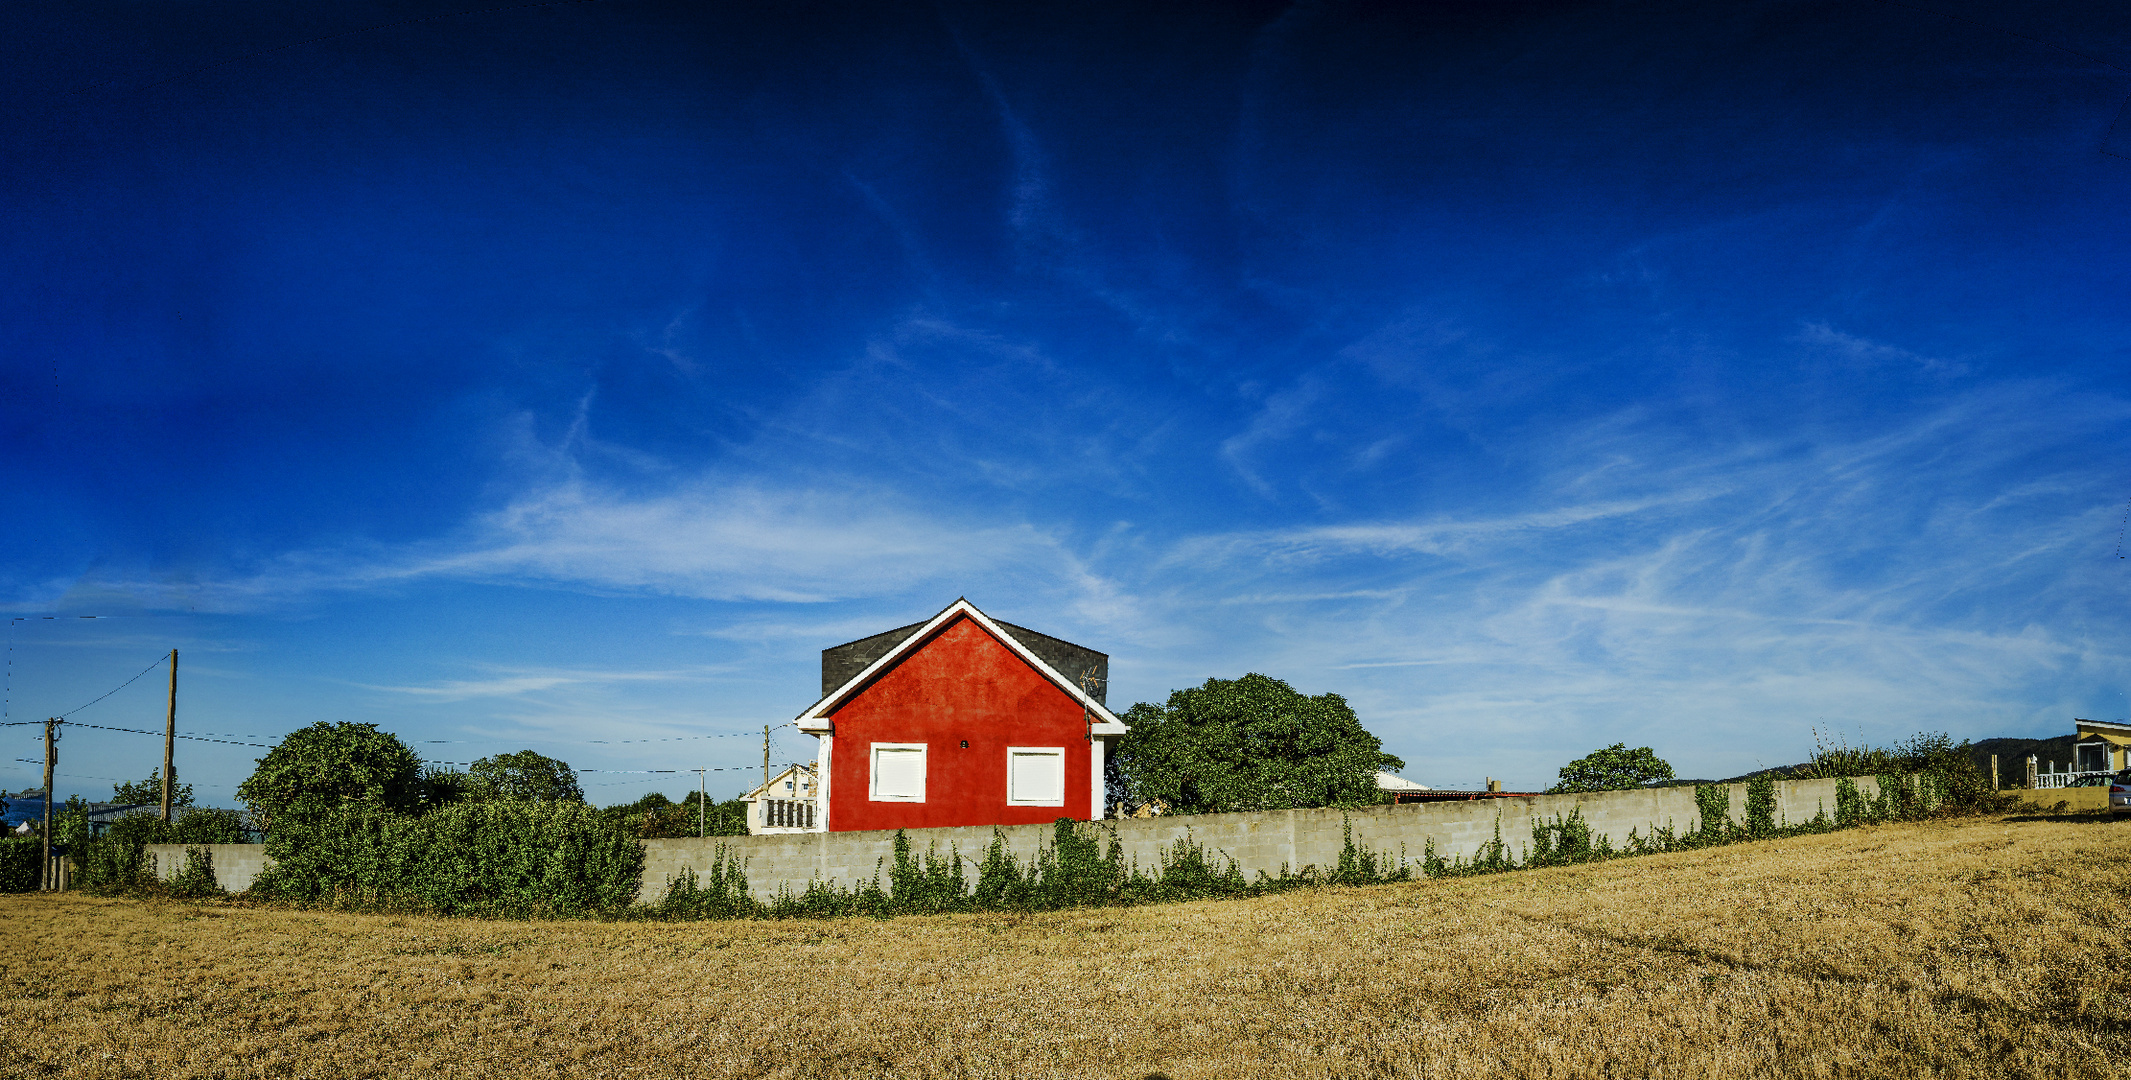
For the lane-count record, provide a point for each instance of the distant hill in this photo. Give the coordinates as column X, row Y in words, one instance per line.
column 2013, row 755
column 2012, row 759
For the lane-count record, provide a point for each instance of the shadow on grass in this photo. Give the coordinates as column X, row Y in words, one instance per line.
column 2071, row 816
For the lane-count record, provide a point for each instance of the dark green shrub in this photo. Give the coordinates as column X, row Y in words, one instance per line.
column 197, row 880
column 117, row 862
column 1565, row 841
column 19, row 858
column 505, row 857
column 1897, row 801
column 1850, row 805
column 929, row 885
column 1713, row 802
column 1074, row 871
column 723, row 895
column 1000, row 883
column 1949, row 779
column 1360, row 865
column 1187, row 872
column 1760, row 806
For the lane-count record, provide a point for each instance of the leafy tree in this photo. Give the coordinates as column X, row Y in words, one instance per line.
column 656, row 817
column 525, row 775
column 1253, row 743
column 443, row 785
column 328, row 765
column 1615, row 768
column 151, row 790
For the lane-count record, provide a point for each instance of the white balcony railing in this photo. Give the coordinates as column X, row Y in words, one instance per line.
column 787, row 813
column 2064, row 779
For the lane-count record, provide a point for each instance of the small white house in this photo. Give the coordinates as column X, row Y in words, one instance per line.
column 1398, row 785
column 786, row 804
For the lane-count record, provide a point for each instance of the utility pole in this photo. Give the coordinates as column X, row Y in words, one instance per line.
column 45, row 881
column 170, row 736
column 765, row 761
column 702, row 803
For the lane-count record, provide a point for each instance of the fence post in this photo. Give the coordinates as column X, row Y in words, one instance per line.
column 1994, row 772
column 2031, row 772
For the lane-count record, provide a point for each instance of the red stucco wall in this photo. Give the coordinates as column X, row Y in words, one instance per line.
column 963, row 684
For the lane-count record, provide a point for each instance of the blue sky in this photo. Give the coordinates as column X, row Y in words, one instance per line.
column 1536, row 376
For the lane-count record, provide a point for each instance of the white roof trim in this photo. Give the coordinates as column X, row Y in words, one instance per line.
column 816, row 719
column 758, row 789
column 2114, row 725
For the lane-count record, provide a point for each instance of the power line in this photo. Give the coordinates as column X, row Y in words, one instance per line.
column 129, row 682
column 194, row 738
column 2120, row 528
column 680, row 738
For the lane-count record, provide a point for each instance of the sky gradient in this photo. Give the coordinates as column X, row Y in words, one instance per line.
column 1537, row 376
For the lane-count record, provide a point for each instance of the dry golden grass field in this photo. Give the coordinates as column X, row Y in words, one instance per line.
column 1987, row 947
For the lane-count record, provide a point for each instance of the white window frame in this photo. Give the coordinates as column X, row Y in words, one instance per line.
column 873, row 770
column 1035, row 751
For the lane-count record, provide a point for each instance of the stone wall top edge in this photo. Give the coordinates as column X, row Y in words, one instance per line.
column 1247, row 820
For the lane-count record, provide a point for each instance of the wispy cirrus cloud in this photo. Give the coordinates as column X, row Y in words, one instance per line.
column 1721, row 603
column 514, row 683
column 705, row 539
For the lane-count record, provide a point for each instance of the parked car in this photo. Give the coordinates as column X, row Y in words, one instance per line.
column 2120, row 793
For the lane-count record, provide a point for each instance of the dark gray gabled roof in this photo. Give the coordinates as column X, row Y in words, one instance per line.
column 842, row 663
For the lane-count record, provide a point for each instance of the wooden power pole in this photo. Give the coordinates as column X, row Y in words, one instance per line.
column 51, row 757
column 170, row 736
column 702, row 803
column 765, row 761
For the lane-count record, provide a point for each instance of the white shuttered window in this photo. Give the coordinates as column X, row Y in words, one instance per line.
column 1035, row 775
column 898, row 772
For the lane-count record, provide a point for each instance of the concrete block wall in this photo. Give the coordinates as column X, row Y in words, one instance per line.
column 1269, row 841
column 236, row 865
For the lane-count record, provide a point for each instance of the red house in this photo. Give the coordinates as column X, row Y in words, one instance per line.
column 960, row 720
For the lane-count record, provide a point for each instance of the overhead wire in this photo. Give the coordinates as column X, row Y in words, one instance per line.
column 129, row 682
column 235, row 739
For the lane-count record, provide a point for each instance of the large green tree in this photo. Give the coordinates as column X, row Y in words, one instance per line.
column 1615, row 768
column 1253, row 743
column 328, row 765
column 151, row 790
column 525, row 775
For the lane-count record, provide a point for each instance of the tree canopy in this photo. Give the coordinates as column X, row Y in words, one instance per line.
column 1615, row 768
column 151, row 790
column 327, row 765
column 525, row 775
column 1253, row 743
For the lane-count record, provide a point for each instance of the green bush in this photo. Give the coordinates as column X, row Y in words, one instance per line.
column 1760, row 806
column 1850, row 805
column 117, row 861
column 1565, row 841
column 1713, row 802
column 196, row 881
column 1948, row 779
column 19, row 857
column 507, row 857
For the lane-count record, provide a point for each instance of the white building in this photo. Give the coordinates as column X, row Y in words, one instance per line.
column 784, row 805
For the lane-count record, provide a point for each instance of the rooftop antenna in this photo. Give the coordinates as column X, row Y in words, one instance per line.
column 1088, row 684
